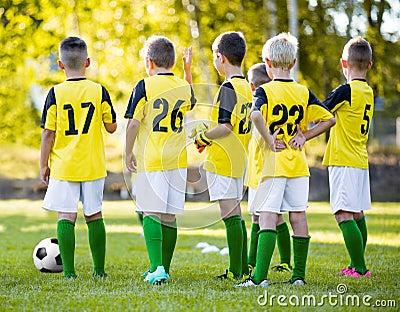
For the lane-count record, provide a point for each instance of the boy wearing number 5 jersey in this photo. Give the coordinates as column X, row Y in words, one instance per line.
column 281, row 108
column 155, row 111
column 346, row 153
column 72, row 160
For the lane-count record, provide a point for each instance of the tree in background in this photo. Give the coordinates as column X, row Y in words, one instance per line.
column 115, row 31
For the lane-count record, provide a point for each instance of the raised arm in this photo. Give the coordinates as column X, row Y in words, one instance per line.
column 187, row 63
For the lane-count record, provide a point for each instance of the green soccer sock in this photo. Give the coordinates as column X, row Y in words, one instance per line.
column 265, row 250
column 234, row 237
column 97, row 243
column 283, row 241
column 354, row 244
column 362, row 226
column 169, row 235
column 300, row 253
column 253, row 244
column 153, row 236
column 66, row 242
column 140, row 218
column 245, row 263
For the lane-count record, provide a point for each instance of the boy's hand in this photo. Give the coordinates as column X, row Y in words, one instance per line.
column 44, row 175
column 187, row 58
column 201, row 127
column 131, row 162
column 276, row 145
column 298, row 140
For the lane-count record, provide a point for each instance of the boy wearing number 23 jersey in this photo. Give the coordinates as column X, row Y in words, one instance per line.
column 155, row 111
column 226, row 143
column 282, row 110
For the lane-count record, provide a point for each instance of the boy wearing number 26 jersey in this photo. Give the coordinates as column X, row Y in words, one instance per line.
column 155, row 115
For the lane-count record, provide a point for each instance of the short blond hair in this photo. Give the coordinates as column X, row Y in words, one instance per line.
column 73, row 53
column 160, row 50
column 357, row 53
column 281, row 51
column 258, row 75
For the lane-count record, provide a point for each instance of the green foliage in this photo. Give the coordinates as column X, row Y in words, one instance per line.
column 192, row 286
column 115, row 31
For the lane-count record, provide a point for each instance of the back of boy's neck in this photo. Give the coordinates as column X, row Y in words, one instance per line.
column 160, row 70
column 356, row 76
column 74, row 74
column 233, row 71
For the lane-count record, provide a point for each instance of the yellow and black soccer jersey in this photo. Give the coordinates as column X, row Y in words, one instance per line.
column 159, row 103
column 284, row 104
column 227, row 156
column 255, row 159
column 353, row 105
column 76, row 109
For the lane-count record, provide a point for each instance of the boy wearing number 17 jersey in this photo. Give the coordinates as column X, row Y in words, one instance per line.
column 346, row 153
column 72, row 160
column 155, row 111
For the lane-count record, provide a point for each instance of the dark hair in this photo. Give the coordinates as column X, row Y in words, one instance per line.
column 73, row 52
column 232, row 45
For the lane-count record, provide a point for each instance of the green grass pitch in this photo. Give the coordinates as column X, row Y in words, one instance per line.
column 192, row 286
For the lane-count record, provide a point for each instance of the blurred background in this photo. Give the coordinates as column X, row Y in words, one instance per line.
column 115, row 31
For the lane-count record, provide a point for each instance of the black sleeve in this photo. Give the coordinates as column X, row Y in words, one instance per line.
column 227, row 101
column 50, row 100
column 193, row 99
column 337, row 96
column 138, row 93
column 259, row 99
column 105, row 97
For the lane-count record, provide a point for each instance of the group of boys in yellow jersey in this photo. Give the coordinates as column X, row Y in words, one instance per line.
column 278, row 113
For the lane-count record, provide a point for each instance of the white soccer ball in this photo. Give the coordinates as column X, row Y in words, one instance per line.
column 46, row 256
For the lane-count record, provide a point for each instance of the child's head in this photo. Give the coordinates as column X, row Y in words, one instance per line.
column 257, row 75
column 232, row 46
column 357, row 54
column 160, row 51
column 73, row 53
column 280, row 51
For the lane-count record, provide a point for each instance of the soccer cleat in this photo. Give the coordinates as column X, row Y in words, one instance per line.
column 145, row 273
column 228, row 275
column 353, row 273
column 100, row 275
column 157, row 277
column 70, row 277
column 297, row 282
column 343, row 271
column 250, row 283
column 283, row 267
